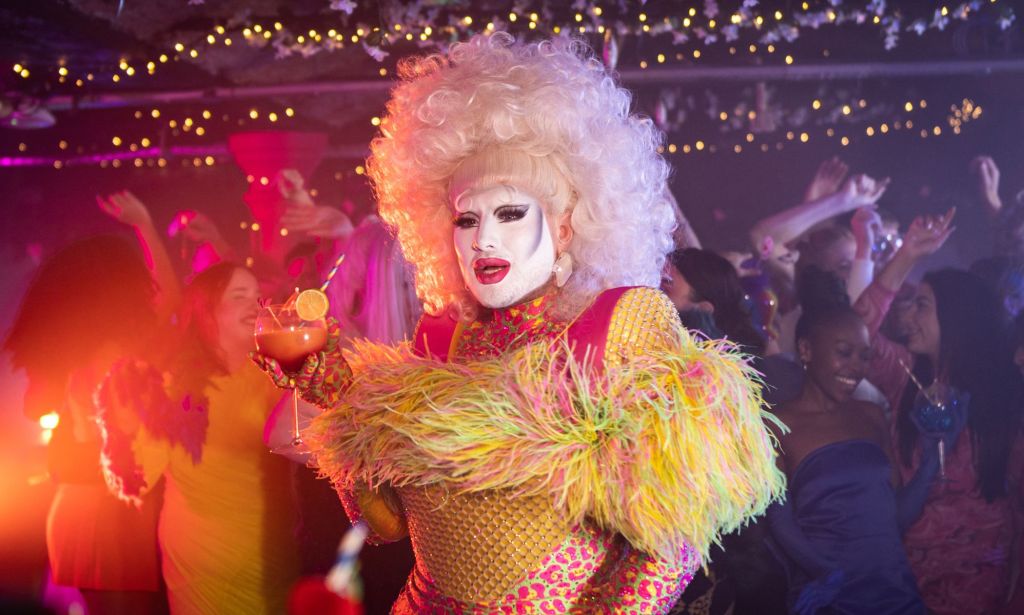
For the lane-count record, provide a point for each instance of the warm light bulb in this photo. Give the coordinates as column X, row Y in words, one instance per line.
column 50, row 420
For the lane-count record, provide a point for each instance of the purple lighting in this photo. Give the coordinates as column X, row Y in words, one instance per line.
column 216, row 150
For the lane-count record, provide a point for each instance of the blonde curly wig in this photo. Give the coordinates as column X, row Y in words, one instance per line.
column 546, row 117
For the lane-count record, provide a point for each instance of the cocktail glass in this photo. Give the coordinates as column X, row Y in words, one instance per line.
column 933, row 413
column 283, row 335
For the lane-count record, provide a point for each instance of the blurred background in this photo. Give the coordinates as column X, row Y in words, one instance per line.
column 98, row 96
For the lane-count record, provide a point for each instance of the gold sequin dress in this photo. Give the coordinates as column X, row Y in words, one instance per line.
column 520, row 504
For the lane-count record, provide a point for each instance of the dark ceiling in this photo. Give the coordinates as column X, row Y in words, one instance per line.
column 771, row 100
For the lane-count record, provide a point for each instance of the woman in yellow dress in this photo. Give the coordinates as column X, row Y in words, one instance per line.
column 226, row 529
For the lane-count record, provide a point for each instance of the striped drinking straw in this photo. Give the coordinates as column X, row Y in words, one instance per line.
column 330, row 274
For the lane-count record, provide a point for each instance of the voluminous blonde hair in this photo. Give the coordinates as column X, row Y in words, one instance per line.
column 546, row 117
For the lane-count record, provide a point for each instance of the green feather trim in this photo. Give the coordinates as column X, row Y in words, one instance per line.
column 666, row 448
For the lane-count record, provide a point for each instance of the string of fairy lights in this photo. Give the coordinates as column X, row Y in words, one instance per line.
column 166, row 137
column 421, row 24
column 152, row 150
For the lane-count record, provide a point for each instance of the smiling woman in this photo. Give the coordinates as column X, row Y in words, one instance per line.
column 838, row 533
column 227, row 521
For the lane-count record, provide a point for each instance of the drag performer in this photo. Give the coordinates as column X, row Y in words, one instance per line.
column 552, row 438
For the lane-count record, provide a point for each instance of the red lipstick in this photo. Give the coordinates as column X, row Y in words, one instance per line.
column 491, row 270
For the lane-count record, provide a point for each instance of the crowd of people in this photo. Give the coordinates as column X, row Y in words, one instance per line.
column 537, row 373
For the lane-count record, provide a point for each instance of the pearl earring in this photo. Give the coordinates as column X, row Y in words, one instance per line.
column 562, row 269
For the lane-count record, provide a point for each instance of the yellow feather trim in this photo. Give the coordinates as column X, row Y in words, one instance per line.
column 667, row 448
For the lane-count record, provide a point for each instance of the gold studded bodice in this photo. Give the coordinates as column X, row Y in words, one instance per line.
column 476, row 546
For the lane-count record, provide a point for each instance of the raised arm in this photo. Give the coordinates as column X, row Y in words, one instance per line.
column 827, row 179
column 865, row 225
column 788, row 225
column 987, row 172
column 198, row 228
column 303, row 215
column 127, row 209
column 925, row 237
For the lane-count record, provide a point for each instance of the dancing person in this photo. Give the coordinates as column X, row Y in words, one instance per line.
column 839, row 530
column 808, row 232
column 702, row 280
column 530, row 440
column 227, row 522
column 960, row 547
column 777, row 236
column 707, row 291
column 89, row 304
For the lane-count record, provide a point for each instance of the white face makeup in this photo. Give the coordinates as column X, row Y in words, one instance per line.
column 504, row 244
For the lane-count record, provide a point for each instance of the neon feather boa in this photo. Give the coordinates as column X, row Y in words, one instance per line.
column 664, row 448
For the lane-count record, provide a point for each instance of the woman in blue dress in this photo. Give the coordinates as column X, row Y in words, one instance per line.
column 838, row 533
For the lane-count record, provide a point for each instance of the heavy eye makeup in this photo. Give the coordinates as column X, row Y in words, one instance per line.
column 505, row 213
column 511, row 213
column 465, row 220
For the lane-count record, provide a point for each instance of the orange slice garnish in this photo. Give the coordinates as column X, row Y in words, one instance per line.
column 311, row 304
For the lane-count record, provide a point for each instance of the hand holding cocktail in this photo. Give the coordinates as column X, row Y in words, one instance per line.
column 940, row 413
column 289, row 333
column 319, row 378
column 299, row 349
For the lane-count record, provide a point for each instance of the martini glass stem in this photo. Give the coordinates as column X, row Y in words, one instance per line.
column 295, row 417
